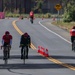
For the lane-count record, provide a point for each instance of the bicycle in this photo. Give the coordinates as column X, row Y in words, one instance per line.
column 73, row 46
column 24, row 53
column 31, row 20
column 6, row 53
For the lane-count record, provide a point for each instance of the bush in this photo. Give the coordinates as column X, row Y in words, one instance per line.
column 47, row 15
column 16, row 15
column 67, row 17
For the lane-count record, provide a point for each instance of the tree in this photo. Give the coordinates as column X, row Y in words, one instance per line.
column 69, row 10
column 38, row 5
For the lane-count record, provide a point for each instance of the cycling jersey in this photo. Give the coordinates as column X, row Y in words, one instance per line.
column 25, row 40
column 7, row 39
column 31, row 14
column 72, row 32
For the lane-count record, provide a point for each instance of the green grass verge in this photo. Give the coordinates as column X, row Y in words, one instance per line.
column 64, row 25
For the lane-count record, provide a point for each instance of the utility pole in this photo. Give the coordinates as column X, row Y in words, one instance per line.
column 2, row 5
column 24, row 6
column 16, row 4
column 20, row 7
column 10, row 6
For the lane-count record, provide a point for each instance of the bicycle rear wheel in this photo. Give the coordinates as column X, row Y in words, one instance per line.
column 6, row 61
column 24, row 56
column 31, row 20
column 6, row 54
column 73, row 46
column 6, row 57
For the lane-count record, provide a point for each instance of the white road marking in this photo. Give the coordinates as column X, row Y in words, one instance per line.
column 54, row 33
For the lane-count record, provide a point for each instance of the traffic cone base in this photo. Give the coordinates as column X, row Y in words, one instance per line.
column 43, row 51
column 38, row 49
column 46, row 53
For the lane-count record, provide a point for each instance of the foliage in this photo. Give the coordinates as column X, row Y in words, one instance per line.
column 12, row 15
column 69, row 14
column 47, row 15
column 38, row 6
column 65, row 25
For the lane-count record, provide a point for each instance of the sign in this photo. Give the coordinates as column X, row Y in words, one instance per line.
column 2, row 15
column 58, row 7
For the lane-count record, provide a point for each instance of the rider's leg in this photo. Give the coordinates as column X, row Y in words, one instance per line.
column 9, row 51
column 21, row 52
column 27, row 50
column 72, row 41
column 4, row 53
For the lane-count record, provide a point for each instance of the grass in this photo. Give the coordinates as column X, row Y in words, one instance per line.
column 65, row 25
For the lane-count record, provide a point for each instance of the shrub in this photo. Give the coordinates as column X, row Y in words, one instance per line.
column 47, row 15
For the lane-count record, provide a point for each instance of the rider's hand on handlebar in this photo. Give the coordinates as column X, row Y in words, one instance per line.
column 21, row 45
column 29, row 46
column 1, row 47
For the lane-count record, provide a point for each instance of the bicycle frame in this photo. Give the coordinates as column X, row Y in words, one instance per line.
column 24, row 54
column 31, row 20
column 6, row 49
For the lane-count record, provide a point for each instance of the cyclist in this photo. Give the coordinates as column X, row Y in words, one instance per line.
column 7, row 40
column 72, row 33
column 25, row 41
column 31, row 15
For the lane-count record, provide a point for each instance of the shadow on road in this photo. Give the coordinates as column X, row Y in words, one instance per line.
column 30, row 66
column 63, row 57
column 30, row 57
column 40, row 57
column 37, row 65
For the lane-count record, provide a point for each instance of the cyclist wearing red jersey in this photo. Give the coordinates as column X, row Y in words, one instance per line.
column 31, row 14
column 72, row 33
column 7, row 40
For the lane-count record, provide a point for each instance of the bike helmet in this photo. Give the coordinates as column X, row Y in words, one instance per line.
column 25, row 34
column 7, row 32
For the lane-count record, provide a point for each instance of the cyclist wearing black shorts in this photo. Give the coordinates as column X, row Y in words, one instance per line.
column 25, row 41
column 72, row 33
column 31, row 14
column 7, row 40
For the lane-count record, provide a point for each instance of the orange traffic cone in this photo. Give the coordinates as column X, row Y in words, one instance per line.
column 42, row 18
column 46, row 53
column 53, row 18
column 42, row 51
column 38, row 49
column 27, row 17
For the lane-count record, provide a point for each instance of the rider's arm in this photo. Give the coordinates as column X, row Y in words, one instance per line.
column 21, row 39
column 11, row 42
column 10, row 39
column 2, row 42
column 29, row 41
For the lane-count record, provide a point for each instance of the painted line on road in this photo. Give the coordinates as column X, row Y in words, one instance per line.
column 54, row 60
column 49, row 58
column 59, row 62
column 20, row 32
column 54, row 33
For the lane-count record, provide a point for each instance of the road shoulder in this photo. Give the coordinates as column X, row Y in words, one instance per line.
column 62, row 32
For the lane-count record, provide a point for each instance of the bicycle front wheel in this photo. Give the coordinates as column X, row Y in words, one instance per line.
column 24, row 56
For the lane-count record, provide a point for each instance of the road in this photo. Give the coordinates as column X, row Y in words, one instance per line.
column 43, row 33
